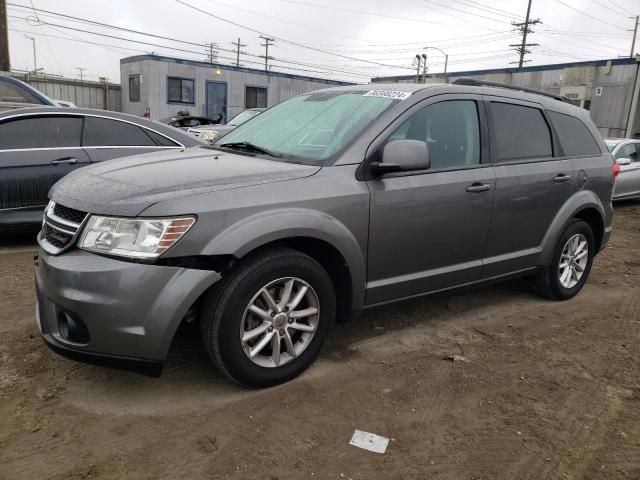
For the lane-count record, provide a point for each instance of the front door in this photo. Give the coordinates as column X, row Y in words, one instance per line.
column 628, row 182
column 35, row 152
column 428, row 229
column 216, row 97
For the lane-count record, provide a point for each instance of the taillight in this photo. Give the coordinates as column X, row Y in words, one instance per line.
column 616, row 169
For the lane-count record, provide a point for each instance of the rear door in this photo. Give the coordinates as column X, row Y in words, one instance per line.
column 36, row 152
column 107, row 138
column 628, row 182
column 532, row 183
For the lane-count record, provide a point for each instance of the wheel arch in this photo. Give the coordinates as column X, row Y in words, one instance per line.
column 316, row 234
column 584, row 205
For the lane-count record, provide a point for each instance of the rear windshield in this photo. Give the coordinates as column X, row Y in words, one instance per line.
column 311, row 128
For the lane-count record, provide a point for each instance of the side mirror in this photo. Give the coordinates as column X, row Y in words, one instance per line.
column 623, row 161
column 403, row 156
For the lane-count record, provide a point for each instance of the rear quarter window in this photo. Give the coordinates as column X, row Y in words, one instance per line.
column 575, row 137
column 520, row 132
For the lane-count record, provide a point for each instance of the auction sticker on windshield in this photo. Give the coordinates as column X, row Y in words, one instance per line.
column 396, row 94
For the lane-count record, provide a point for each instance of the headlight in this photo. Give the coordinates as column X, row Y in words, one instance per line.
column 133, row 237
column 208, row 135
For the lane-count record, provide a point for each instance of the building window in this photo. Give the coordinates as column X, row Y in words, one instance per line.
column 134, row 88
column 180, row 90
column 255, row 97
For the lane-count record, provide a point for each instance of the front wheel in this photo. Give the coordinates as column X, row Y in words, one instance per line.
column 265, row 324
column 570, row 265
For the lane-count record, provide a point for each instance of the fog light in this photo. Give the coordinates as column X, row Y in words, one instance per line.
column 72, row 328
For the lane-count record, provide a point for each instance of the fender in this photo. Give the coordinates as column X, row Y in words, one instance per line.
column 579, row 201
column 262, row 228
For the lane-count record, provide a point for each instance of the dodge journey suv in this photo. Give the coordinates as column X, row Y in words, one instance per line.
column 328, row 203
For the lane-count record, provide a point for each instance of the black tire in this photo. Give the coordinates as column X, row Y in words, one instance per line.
column 225, row 304
column 547, row 283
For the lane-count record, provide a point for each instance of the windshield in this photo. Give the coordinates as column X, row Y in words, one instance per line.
column 310, row 128
column 611, row 144
column 242, row 117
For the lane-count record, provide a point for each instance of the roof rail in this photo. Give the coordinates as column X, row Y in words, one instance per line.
column 484, row 83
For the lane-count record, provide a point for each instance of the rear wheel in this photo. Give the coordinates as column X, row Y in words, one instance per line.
column 266, row 322
column 569, row 269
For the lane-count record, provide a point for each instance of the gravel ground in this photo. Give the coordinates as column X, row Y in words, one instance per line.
column 546, row 391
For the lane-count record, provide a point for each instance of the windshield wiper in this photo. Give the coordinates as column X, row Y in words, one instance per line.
column 250, row 146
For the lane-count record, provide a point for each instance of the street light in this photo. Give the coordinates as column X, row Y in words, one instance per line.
column 446, row 56
column 35, row 63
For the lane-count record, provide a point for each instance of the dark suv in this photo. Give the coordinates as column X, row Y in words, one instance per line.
column 328, row 203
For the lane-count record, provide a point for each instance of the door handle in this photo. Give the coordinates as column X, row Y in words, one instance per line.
column 64, row 161
column 478, row 187
column 562, row 177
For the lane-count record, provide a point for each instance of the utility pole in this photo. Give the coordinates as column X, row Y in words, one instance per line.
column 417, row 60
column 211, row 51
column 525, row 29
column 424, row 68
column 633, row 41
column 35, row 62
column 5, row 61
column 238, row 45
column 80, row 72
column 267, row 42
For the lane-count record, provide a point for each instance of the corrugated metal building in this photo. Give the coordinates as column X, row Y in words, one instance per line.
column 83, row 93
column 168, row 85
column 609, row 89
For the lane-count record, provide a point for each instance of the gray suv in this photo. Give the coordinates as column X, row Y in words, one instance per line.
column 331, row 202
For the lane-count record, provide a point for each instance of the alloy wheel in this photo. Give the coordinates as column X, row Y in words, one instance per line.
column 279, row 322
column 573, row 260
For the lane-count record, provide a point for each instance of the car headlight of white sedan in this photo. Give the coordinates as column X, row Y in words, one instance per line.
column 133, row 237
column 209, row 135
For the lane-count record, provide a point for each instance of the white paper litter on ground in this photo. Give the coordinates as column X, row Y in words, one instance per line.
column 369, row 441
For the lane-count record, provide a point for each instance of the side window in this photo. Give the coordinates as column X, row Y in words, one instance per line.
column 575, row 137
column 520, row 132
column 628, row 151
column 12, row 93
column 103, row 132
column 451, row 130
column 40, row 132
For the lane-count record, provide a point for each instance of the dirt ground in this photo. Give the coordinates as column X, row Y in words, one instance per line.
column 548, row 391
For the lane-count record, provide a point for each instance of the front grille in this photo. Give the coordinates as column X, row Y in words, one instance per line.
column 56, row 237
column 69, row 214
column 61, row 225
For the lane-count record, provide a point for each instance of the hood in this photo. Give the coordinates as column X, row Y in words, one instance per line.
column 129, row 185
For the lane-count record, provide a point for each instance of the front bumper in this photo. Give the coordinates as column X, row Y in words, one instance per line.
column 129, row 312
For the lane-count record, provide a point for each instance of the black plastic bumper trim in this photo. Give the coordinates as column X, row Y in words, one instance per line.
column 144, row 367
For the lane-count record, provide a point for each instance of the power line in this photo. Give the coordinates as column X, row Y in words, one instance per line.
column 281, row 39
column 183, row 50
column 609, row 9
column 464, row 11
column 363, row 12
column 587, row 15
